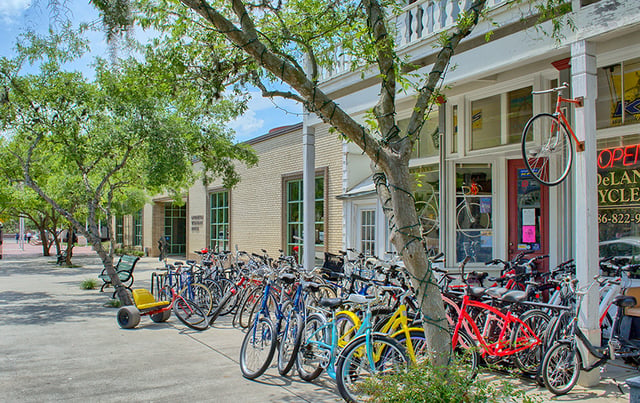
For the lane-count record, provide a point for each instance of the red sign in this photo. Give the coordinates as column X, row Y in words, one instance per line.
column 619, row 156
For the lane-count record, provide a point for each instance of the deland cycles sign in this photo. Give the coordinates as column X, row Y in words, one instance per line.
column 619, row 185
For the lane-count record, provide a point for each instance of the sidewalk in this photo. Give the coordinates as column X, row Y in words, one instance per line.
column 59, row 343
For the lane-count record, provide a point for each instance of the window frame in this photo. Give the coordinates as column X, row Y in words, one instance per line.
column 213, row 240
column 298, row 176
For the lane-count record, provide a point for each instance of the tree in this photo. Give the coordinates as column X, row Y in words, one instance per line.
column 289, row 42
column 133, row 128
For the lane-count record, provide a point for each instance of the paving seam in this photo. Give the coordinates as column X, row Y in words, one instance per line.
column 237, row 362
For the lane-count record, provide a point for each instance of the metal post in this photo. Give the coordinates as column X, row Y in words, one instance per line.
column 309, row 192
column 584, row 84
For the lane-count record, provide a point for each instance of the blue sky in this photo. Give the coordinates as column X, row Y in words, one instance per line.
column 16, row 16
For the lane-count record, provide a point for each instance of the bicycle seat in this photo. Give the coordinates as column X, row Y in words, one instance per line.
column 191, row 262
column 625, row 301
column 497, row 292
column 287, row 278
column 477, row 292
column 330, row 302
column 310, row 285
column 514, row 296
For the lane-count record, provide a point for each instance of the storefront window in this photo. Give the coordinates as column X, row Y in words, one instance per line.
column 485, row 123
column 619, row 198
column 294, row 222
column 486, row 118
column 618, row 92
column 474, row 228
column 428, row 143
column 426, row 192
column 454, row 133
column 137, row 228
column 520, row 110
column 219, row 221
column 120, row 229
column 368, row 232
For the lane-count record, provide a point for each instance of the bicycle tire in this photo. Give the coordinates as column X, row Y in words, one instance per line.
column 218, row 311
column 466, row 353
column 290, row 342
column 310, row 355
column 245, row 316
column 472, row 226
column 351, row 369
column 419, row 350
column 529, row 360
column 558, row 328
column 258, row 347
column 190, row 314
column 561, row 368
column 555, row 143
column 201, row 295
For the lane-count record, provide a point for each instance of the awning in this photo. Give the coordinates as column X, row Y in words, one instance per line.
column 362, row 189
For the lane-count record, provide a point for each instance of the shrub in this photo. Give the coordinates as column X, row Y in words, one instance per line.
column 113, row 303
column 89, row 284
column 452, row 384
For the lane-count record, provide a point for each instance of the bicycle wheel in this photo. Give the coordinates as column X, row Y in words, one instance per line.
column 253, row 297
column 466, row 354
column 470, row 219
column 217, row 312
column 529, row 359
column 417, row 351
column 428, row 216
column 257, row 348
column 555, row 146
column 189, row 313
column 347, row 325
column 561, row 368
column 311, row 355
column 201, row 295
column 290, row 342
column 558, row 329
column 354, row 366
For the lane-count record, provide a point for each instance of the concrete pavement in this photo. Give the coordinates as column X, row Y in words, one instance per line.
column 60, row 343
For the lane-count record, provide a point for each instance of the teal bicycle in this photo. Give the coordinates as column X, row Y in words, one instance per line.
column 367, row 352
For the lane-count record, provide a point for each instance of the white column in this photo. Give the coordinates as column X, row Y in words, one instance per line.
column 584, row 84
column 309, row 191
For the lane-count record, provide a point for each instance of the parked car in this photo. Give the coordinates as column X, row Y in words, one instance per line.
column 628, row 247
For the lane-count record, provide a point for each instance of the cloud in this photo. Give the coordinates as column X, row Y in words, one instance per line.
column 247, row 125
column 13, row 8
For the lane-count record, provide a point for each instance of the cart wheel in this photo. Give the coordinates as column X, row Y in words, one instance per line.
column 128, row 317
column 161, row 316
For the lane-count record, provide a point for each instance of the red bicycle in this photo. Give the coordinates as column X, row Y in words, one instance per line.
column 547, row 150
column 499, row 334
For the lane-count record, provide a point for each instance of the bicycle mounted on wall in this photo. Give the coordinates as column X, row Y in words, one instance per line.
column 555, row 146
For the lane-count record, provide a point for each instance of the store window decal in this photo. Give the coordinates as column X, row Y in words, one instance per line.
column 618, row 199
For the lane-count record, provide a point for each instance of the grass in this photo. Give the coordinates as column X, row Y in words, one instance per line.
column 113, row 303
column 89, row 284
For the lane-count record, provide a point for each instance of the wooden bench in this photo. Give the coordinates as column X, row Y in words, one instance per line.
column 124, row 269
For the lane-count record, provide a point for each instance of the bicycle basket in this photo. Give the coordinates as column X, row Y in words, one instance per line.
column 332, row 264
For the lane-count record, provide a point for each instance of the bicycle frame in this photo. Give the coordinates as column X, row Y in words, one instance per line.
column 560, row 114
column 502, row 347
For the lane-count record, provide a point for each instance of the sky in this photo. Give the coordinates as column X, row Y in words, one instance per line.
column 16, row 16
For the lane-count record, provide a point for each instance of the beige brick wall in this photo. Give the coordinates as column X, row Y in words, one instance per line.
column 256, row 212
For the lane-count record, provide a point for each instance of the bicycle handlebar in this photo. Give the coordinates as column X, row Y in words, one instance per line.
column 564, row 86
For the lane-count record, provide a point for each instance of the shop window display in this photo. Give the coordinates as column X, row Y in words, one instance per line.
column 473, row 213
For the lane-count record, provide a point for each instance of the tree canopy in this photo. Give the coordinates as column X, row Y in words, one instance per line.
column 95, row 147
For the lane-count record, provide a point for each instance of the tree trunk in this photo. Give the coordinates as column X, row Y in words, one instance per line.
column 107, row 261
column 399, row 206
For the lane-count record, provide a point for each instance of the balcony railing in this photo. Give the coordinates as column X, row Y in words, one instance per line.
column 419, row 20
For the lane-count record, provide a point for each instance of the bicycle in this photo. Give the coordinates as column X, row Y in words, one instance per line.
column 563, row 361
column 368, row 351
column 554, row 145
column 470, row 218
